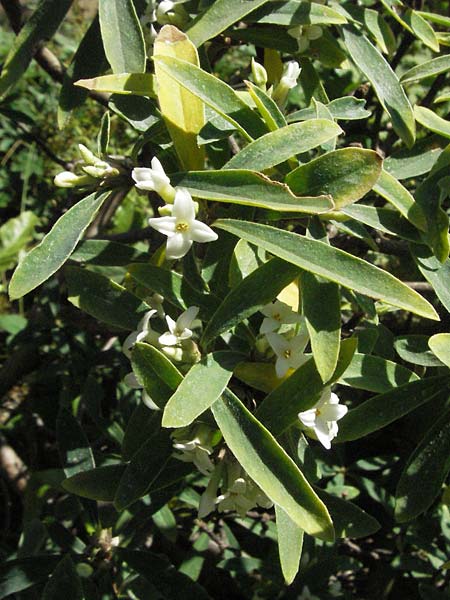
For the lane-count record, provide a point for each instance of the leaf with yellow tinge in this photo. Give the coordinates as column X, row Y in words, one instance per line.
column 183, row 112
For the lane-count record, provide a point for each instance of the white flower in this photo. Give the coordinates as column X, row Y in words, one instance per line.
column 154, row 179
column 181, row 228
column 171, row 11
column 241, row 494
column 179, row 330
column 289, row 353
column 131, row 381
column 196, row 449
column 144, row 333
column 291, row 72
column 306, row 594
column 323, row 417
column 277, row 313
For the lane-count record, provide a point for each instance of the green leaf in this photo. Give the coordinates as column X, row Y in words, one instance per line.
column 384, row 220
column 436, row 273
column 122, row 36
column 419, row 160
column 415, row 350
column 346, row 174
column 429, row 68
column 295, row 12
column 56, row 247
column 138, row 84
column 348, row 519
column 267, row 108
column 421, row 29
column 239, row 186
column 255, row 291
column 375, row 374
column 214, row 93
column 385, row 82
column 270, row 467
column 290, row 544
column 386, row 408
column 40, row 26
column 74, row 450
column 425, row 473
column 98, row 484
column 440, row 345
column 144, row 468
column 432, row 121
column 218, row 16
column 14, row 236
column 203, row 384
column 347, row 108
column 104, row 299
column 280, row 145
column 331, row 263
column 141, row 424
column 106, row 253
column 64, row 582
column 18, row 575
column 394, row 192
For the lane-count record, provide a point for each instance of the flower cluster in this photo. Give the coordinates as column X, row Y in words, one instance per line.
column 92, row 169
column 178, row 222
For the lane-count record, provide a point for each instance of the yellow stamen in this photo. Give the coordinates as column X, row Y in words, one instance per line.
column 181, row 227
column 287, row 354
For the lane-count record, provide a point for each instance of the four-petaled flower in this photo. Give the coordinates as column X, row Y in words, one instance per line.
column 323, row 417
column 154, row 179
column 289, row 353
column 181, row 228
column 179, row 330
column 277, row 313
column 144, row 333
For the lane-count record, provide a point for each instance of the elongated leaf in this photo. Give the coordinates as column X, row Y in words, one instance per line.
column 239, row 186
column 183, row 111
column 417, row 161
column 75, row 452
column 98, row 484
column 432, row 121
column 56, row 247
column 290, row 544
column 18, row 575
column 331, row 263
column 267, row 108
column 422, row 29
column 385, row 82
column 440, row 345
column 218, row 16
column 200, row 388
column 106, row 253
column 122, row 36
column 385, row 408
column 140, row 426
column 277, row 146
column 138, row 84
column 415, row 350
column 41, row 25
column 104, row 299
column 383, row 219
column 425, row 473
column 255, row 291
column 297, row 13
column 375, row 374
column 349, row 520
column 346, row 174
column 214, row 93
column 64, row 582
column 435, row 272
column 394, row 192
column 270, row 467
column 347, row 108
column 430, row 68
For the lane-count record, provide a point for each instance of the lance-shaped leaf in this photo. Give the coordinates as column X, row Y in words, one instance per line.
column 20, row 574
column 122, row 36
column 375, row 374
column 255, row 291
column 200, row 388
column 348, row 519
column 385, row 82
column 294, row 12
column 290, row 544
column 429, row 68
column 267, row 108
column 435, row 272
column 280, row 145
column 98, row 484
column 74, row 450
column 104, row 299
column 41, row 25
column 346, row 174
column 64, row 582
column 425, row 473
column 432, row 121
column 183, row 111
column 415, row 350
column 270, row 467
column 140, row 426
column 218, row 16
column 421, row 29
column 346, row 108
column 138, row 84
column 241, row 186
column 440, row 345
column 331, row 263
column 385, row 408
column 56, row 247
column 384, row 220
column 214, row 93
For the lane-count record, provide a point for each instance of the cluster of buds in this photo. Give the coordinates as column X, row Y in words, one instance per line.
column 288, row 80
column 162, row 12
column 92, row 170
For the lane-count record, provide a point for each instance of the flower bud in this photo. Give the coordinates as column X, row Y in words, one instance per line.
column 259, row 74
column 67, row 179
column 88, row 156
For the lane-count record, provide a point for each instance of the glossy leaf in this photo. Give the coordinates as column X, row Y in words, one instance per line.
column 381, row 410
column 346, row 108
column 106, row 253
column 122, row 36
column 384, row 220
column 98, row 484
column 346, row 174
column 435, row 272
column 440, row 345
column 429, row 68
column 270, row 467
column 421, row 29
column 138, row 84
column 280, row 145
column 290, row 544
column 349, row 520
column 21, row 574
column 240, row 186
column 56, row 247
column 203, row 384
column 331, row 263
column 415, row 350
column 375, row 374
column 74, row 450
column 64, row 582
column 140, row 426
column 293, row 13
column 268, row 109
column 385, row 82
column 432, row 121
column 407, row 163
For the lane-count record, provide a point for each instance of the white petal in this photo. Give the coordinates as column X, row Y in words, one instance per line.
column 334, row 398
column 323, row 433
column 186, row 334
column 334, row 412
column 171, row 324
column 168, row 339
column 185, row 320
column 278, row 343
column 178, row 245
column 297, row 360
column 200, row 232
column 267, row 310
column 165, row 225
column 281, row 367
column 308, row 417
column 157, row 166
column 183, row 206
column 149, row 402
column 268, row 325
column 143, row 323
column 129, row 343
column 131, row 381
